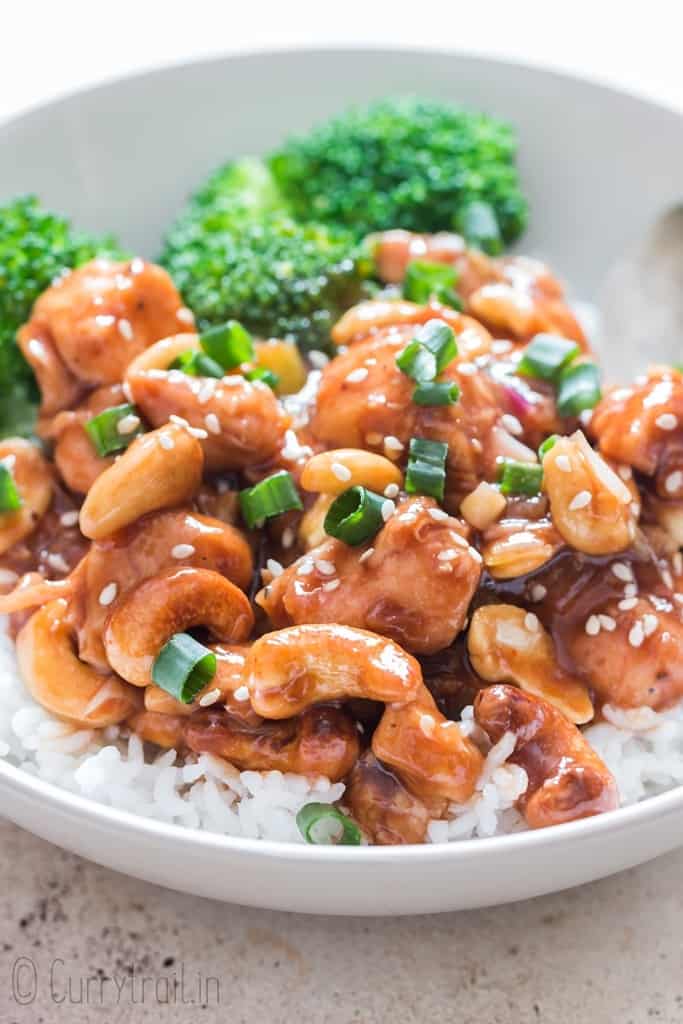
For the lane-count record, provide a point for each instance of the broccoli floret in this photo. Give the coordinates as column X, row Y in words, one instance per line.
column 35, row 246
column 235, row 252
column 407, row 163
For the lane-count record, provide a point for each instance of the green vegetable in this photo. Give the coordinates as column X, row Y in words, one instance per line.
column 444, row 392
column 578, row 389
column 549, row 443
column 429, row 352
column 355, row 516
column 197, row 364
column 10, row 499
column 426, row 472
column 109, row 432
column 35, row 246
column 270, row 497
column 228, row 344
column 406, row 163
column 324, row 825
column 546, row 355
column 183, row 667
column 520, row 477
column 235, row 251
column 424, row 281
column 266, row 376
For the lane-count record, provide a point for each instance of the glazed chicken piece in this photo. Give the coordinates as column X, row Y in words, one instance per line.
column 414, row 584
column 567, row 779
column 514, row 297
column 88, row 326
column 386, row 811
column 75, row 455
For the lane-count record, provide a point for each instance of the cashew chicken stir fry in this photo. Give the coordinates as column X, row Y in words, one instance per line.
column 316, row 570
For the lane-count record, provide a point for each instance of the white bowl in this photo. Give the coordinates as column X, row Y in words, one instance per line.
column 599, row 165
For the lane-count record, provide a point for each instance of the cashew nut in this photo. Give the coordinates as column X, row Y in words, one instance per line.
column 515, row 547
column 33, row 480
column 333, row 472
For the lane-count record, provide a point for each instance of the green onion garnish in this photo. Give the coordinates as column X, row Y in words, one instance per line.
column 520, row 477
column 183, row 667
column 197, row 364
column 426, row 472
column 114, row 429
column 429, row 352
column 424, row 281
column 444, row 392
column 270, row 497
column 10, row 499
column 546, row 356
column 549, row 443
column 478, row 224
column 266, row 376
column 355, row 516
column 578, row 389
column 230, row 344
column 324, row 825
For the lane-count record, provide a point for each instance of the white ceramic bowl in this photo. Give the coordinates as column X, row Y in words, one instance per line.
column 600, row 166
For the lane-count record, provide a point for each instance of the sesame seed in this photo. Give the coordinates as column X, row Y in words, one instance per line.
column 185, row 315
column 205, row 392
column 182, row 551
column 499, row 348
column 563, row 462
column 636, row 635
column 122, row 282
column 538, row 592
column 331, row 585
column 136, row 265
column 630, row 590
column 233, row 380
column 667, row 421
column 437, row 514
column 457, row 539
column 8, row 577
column 127, row 424
column 241, row 693
column 371, row 361
column 274, row 567
column 209, row 698
column 474, row 554
column 341, row 471
column 512, row 424
column 126, row 329
column 391, row 491
column 650, row 623
column 356, row 376
column 579, row 501
column 57, row 562
column 667, row 578
column 407, row 517
column 104, row 320
column 212, row 423
column 166, row 442
column 293, row 451
column 627, row 604
column 318, row 359
column 393, row 443
column 69, row 518
column 592, row 626
column 388, row 509
column 673, row 481
column 427, row 724
column 366, row 554
column 324, row 567
column 476, row 444
column 467, row 369
column 622, row 571
column 108, row 594
column 305, row 568
column 608, row 623
column 531, row 622
column 287, row 537
column 128, row 394
column 447, row 555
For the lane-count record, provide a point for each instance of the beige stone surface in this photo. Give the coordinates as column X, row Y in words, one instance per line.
column 608, row 952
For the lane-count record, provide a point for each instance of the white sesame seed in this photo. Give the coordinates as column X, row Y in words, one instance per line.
column 512, row 424
column 212, row 423
column 650, row 623
column 538, row 592
column 205, row 392
column 563, row 463
column 234, row 380
column 356, row 376
column 288, row 537
column 476, row 444
column 437, row 514
column 57, row 562
column 331, row 585
column 531, row 622
column 667, row 421
column 608, row 623
column 126, row 329
column 122, row 282
column 69, row 518
column 241, row 694
column 318, row 359
column 474, row 554
column 8, row 577
column 391, row 491
column 447, row 555
column 667, row 578
column 467, row 369
column 274, row 567
column 393, row 443
column 580, row 500
column 427, row 724
column 622, row 571
column 104, row 320
column 185, row 315
column 324, row 567
column 627, row 604
column 592, row 626
column 407, row 517
column 182, row 551
column 136, row 265
column 673, row 481
column 209, row 698
column 388, row 509
column 371, row 361
column 499, row 348
column 366, row 554
column 305, row 568
column 341, row 471
column 166, row 442
column 127, row 424
column 457, row 539
column 293, row 451
column 636, row 635
column 108, row 594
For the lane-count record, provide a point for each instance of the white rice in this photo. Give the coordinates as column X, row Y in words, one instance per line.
column 642, row 748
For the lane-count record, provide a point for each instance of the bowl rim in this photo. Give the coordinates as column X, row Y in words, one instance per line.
column 33, row 788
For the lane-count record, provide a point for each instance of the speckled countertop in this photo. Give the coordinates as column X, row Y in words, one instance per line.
column 92, row 945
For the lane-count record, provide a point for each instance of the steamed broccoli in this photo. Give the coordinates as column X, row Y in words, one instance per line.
column 235, row 252
column 407, row 163
column 35, row 245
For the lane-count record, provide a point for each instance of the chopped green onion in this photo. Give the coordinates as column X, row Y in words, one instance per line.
column 549, row 443
column 429, row 352
column 424, row 281
column 444, row 392
column 197, row 364
column 578, row 389
column 183, row 667
column 426, row 472
column 270, row 497
column 266, row 376
column 520, row 477
column 546, row 356
column 230, row 344
column 324, row 825
column 10, row 499
column 478, row 224
column 355, row 516
column 114, row 429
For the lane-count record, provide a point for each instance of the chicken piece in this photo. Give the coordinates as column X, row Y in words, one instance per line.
column 567, row 779
column 75, row 455
column 386, row 811
column 87, row 327
column 413, row 585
